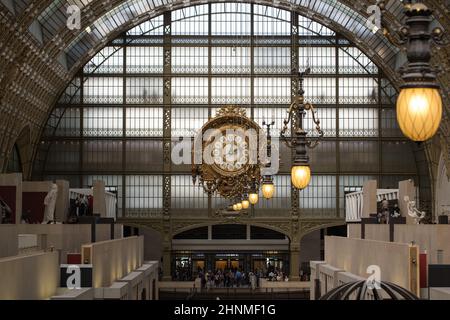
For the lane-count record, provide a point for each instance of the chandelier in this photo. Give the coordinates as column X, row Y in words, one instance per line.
column 300, row 172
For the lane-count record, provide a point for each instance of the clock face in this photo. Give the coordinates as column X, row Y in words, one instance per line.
column 230, row 153
column 228, row 158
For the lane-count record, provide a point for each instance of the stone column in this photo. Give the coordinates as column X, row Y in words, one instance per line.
column 294, row 262
column 167, row 256
column 210, row 232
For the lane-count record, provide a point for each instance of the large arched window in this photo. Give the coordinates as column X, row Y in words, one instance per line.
column 164, row 78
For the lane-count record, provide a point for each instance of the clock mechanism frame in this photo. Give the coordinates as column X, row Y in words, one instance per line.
column 227, row 181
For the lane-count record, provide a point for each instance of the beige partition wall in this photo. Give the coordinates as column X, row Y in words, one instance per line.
column 379, row 232
column 30, row 277
column 328, row 276
column 150, row 272
column 398, row 262
column 9, row 242
column 354, row 230
column 369, row 198
column 432, row 238
column 68, row 238
column 113, row 259
column 99, row 194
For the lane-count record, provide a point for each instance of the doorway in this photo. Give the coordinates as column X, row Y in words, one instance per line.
column 221, row 264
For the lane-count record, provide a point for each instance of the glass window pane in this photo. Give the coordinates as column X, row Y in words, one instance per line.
column 144, row 195
column 230, row 90
column 108, row 60
column 144, row 60
column 186, row 195
column 352, row 60
column 358, row 90
column 189, row 90
column 359, row 156
column 358, row 122
column 190, row 21
column 319, row 199
column 103, row 90
column 142, row 90
column 144, row 122
column 189, row 60
column 272, row 60
column 320, row 59
column 102, row 155
column 271, row 21
column 104, row 122
column 320, row 90
column 230, row 60
column 186, row 122
column 272, row 90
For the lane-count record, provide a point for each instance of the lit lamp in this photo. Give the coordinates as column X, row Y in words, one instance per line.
column 300, row 176
column 253, row 198
column 253, row 195
column 245, row 203
column 235, row 207
column 267, row 187
column 419, row 104
column 301, row 171
column 238, row 206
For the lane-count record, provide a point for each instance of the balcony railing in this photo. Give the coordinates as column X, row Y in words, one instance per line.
column 354, row 202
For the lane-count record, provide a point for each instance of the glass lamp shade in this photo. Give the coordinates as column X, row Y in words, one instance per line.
column 245, row 204
column 300, row 176
column 234, row 207
column 419, row 112
column 253, row 198
column 268, row 190
column 238, row 206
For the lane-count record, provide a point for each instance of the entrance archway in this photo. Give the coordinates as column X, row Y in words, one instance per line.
column 221, row 248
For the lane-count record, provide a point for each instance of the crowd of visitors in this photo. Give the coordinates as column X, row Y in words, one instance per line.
column 82, row 205
column 387, row 211
column 235, row 278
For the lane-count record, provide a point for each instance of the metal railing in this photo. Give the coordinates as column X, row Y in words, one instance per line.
column 354, row 202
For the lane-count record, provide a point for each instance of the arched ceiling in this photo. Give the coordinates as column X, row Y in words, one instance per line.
column 38, row 63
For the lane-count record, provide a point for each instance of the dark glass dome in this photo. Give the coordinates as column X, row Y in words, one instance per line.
column 361, row 288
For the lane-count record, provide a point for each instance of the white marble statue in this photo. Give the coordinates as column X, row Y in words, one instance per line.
column 413, row 211
column 50, row 204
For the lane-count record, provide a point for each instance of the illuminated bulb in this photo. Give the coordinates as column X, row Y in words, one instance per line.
column 419, row 112
column 245, row 204
column 239, row 206
column 268, row 190
column 300, row 176
column 234, row 207
column 253, row 198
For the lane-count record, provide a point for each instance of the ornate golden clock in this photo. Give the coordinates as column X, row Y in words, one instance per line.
column 225, row 156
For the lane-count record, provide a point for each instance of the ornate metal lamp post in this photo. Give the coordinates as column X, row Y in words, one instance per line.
column 419, row 104
column 267, row 187
column 300, row 172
